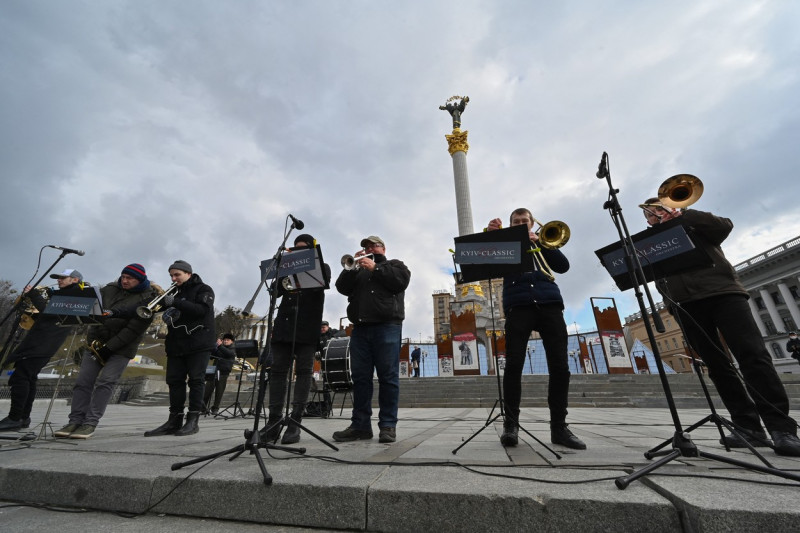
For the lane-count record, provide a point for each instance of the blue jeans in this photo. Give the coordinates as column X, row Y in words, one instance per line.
column 375, row 346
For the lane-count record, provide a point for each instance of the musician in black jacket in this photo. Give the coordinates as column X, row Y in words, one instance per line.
column 44, row 338
column 222, row 357
column 189, row 316
column 297, row 323
column 118, row 339
column 376, row 307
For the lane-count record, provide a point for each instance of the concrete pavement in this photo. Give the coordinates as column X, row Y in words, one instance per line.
column 415, row 484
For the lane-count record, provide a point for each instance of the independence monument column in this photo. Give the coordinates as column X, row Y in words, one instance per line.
column 457, row 146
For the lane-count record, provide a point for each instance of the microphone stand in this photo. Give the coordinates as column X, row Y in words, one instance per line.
column 252, row 442
column 682, row 444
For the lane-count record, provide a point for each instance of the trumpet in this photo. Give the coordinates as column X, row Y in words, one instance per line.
column 349, row 262
column 680, row 191
column 147, row 311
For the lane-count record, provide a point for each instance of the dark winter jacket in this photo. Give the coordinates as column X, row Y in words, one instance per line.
column 46, row 336
column 223, row 357
column 308, row 303
column 190, row 320
column 793, row 347
column 534, row 287
column 707, row 231
column 122, row 335
column 375, row 297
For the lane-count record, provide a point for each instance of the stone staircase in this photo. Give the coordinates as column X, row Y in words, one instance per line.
column 599, row 390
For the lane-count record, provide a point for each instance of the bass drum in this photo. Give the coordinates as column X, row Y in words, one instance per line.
column 336, row 364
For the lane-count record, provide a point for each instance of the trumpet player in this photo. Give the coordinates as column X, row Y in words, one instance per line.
column 710, row 302
column 36, row 349
column 376, row 307
column 189, row 316
column 532, row 301
column 115, row 342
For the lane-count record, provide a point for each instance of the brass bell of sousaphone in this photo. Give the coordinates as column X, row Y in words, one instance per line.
column 679, row 191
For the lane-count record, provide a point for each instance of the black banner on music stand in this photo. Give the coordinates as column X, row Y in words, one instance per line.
column 493, row 254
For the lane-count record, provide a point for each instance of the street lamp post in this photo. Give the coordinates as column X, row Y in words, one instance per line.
column 530, row 350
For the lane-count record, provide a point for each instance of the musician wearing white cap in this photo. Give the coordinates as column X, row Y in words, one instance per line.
column 36, row 349
column 710, row 302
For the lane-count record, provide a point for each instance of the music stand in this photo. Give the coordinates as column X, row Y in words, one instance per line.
column 682, row 445
column 308, row 272
column 252, row 442
column 486, row 256
column 244, row 348
column 71, row 311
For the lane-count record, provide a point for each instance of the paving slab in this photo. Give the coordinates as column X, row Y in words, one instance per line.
column 413, row 484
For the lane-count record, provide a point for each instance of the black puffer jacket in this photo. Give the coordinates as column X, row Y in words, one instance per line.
column 534, row 287
column 46, row 336
column 309, row 312
column 375, row 297
column 223, row 357
column 708, row 231
column 190, row 320
column 122, row 335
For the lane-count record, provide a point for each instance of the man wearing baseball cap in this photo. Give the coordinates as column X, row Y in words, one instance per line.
column 375, row 290
column 36, row 349
column 116, row 341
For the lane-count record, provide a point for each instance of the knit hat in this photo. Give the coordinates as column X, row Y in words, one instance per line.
column 306, row 238
column 180, row 264
column 229, row 336
column 135, row 270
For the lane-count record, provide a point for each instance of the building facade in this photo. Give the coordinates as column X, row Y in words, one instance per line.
column 772, row 279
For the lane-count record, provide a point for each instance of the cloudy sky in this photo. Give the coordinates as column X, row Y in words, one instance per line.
column 144, row 131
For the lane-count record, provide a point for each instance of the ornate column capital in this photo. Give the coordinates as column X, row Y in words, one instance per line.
column 457, row 141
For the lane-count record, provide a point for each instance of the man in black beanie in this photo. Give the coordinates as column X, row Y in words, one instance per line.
column 115, row 341
column 189, row 316
column 222, row 358
column 303, row 334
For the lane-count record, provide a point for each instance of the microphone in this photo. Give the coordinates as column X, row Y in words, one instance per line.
column 67, row 250
column 297, row 223
column 602, row 168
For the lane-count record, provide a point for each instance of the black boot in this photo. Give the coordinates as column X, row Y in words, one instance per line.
column 190, row 427
column 270, row 432
column 510, row 436
column 172, row 425
column 560, row 434
column 292, row 433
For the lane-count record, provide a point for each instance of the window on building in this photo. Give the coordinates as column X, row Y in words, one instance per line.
column 776, row 297
column 760, row 303
column 788, row 324
column 777, row 352
column 669, row 323
column 675, row 342
column 794, row 291
column 770, row 327
column 658, row 343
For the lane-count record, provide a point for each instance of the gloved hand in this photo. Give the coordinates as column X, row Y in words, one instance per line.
column 168, row 300
column 104, row 353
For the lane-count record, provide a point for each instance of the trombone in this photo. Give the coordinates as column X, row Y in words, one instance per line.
column 147, row 311
column 680, row 191
column 552, row 236
column 349, row 262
